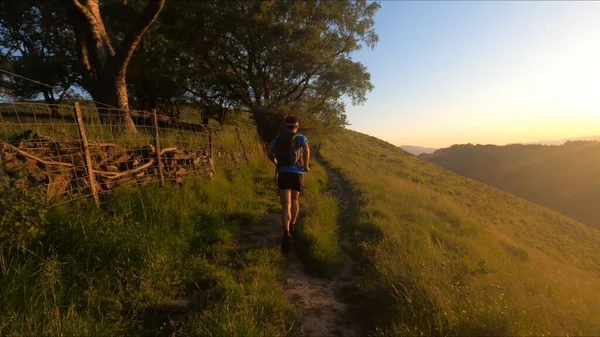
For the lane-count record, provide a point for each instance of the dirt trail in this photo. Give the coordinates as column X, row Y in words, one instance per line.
column 317, row 300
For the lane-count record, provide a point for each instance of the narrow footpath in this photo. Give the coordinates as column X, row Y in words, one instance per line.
column 317, row 301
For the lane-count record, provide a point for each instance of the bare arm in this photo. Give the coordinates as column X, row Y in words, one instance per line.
column 271, row 155
column 306, row 156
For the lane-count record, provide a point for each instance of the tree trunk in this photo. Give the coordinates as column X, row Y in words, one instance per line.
column 49, row 98
column 106, row 69
column 206, row 111
column 123, row 99
column 178, row 109
column 222, row 116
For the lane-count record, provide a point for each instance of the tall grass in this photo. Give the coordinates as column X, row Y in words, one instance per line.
column 318, row 235
column 75, row 270
column 96, row 131
column 444, row 255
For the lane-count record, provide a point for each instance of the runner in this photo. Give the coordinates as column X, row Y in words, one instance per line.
column 291, row 155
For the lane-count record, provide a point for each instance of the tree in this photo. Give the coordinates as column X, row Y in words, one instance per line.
column 168, row 75
column 153, row 78
column 36, row 44
column 273, row 57
column 105, row 66
column 158, row 74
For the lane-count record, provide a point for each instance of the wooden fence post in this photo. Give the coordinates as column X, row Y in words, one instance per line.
column 86, row 152
column 237, row 130
column 157, row 147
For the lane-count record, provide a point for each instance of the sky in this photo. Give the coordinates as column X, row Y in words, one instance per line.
column 488, row 72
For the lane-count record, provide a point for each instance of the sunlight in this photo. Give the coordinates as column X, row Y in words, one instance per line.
column 569, row 81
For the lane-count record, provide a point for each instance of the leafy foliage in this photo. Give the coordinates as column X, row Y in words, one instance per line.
column 274, row 57
column 37, row 43
column 23, row 218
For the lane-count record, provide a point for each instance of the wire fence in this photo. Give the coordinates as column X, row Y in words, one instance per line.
column 80, row 151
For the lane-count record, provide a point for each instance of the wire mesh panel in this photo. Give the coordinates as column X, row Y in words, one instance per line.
column 76, row 152
column 40, row 147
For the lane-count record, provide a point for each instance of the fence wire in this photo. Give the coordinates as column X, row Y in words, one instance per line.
column 49, row 147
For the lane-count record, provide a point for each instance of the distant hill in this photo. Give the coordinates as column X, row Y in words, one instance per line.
column 564, row 178
column 417, row 150
column 562, row 141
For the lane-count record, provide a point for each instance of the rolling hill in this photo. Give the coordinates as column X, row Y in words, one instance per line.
column 563, row 178
column 444, row 255
column 562, row 141
column 417, row 150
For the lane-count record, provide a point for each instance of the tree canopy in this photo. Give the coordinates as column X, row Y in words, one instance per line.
column 35, row 42
column 269, row 57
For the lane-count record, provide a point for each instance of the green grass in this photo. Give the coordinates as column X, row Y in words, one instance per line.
column 68, row 130
column 74, row 270
column 443, row 255
column 248, row 302
column 318, row 235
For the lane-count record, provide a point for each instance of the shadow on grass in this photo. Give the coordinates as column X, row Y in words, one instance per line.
column 166, row 319
column 355, row 233
column 222, row 241
column 349, row 222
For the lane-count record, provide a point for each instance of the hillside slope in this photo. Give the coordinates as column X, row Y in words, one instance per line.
column 563, row 178
column 445, row 255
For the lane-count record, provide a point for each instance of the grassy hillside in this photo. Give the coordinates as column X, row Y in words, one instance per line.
column 441, row 254
column 563, row 178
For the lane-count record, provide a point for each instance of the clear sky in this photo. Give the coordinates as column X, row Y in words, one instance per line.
column 482, row 72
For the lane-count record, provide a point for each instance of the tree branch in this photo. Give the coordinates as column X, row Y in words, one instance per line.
column 31, row 156
column 65, row 89
column 303, row 81
column 85, row 11
column 132, row 39
column 201, row 95
column 93, row 43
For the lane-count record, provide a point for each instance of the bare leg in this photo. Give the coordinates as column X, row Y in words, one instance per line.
column 286, row 215
column 295, row 206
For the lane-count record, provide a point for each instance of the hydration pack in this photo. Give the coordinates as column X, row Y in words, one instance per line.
column 287, row 151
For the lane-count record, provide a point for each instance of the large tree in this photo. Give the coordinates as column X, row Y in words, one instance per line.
column 170, row 75
column 159, row 73
column 274, row 57
column 154, row 77
column 105, row 65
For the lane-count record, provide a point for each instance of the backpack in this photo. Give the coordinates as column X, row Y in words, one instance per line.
column 287, row 151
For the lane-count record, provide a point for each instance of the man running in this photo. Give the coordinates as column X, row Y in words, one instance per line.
column 291, row 155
